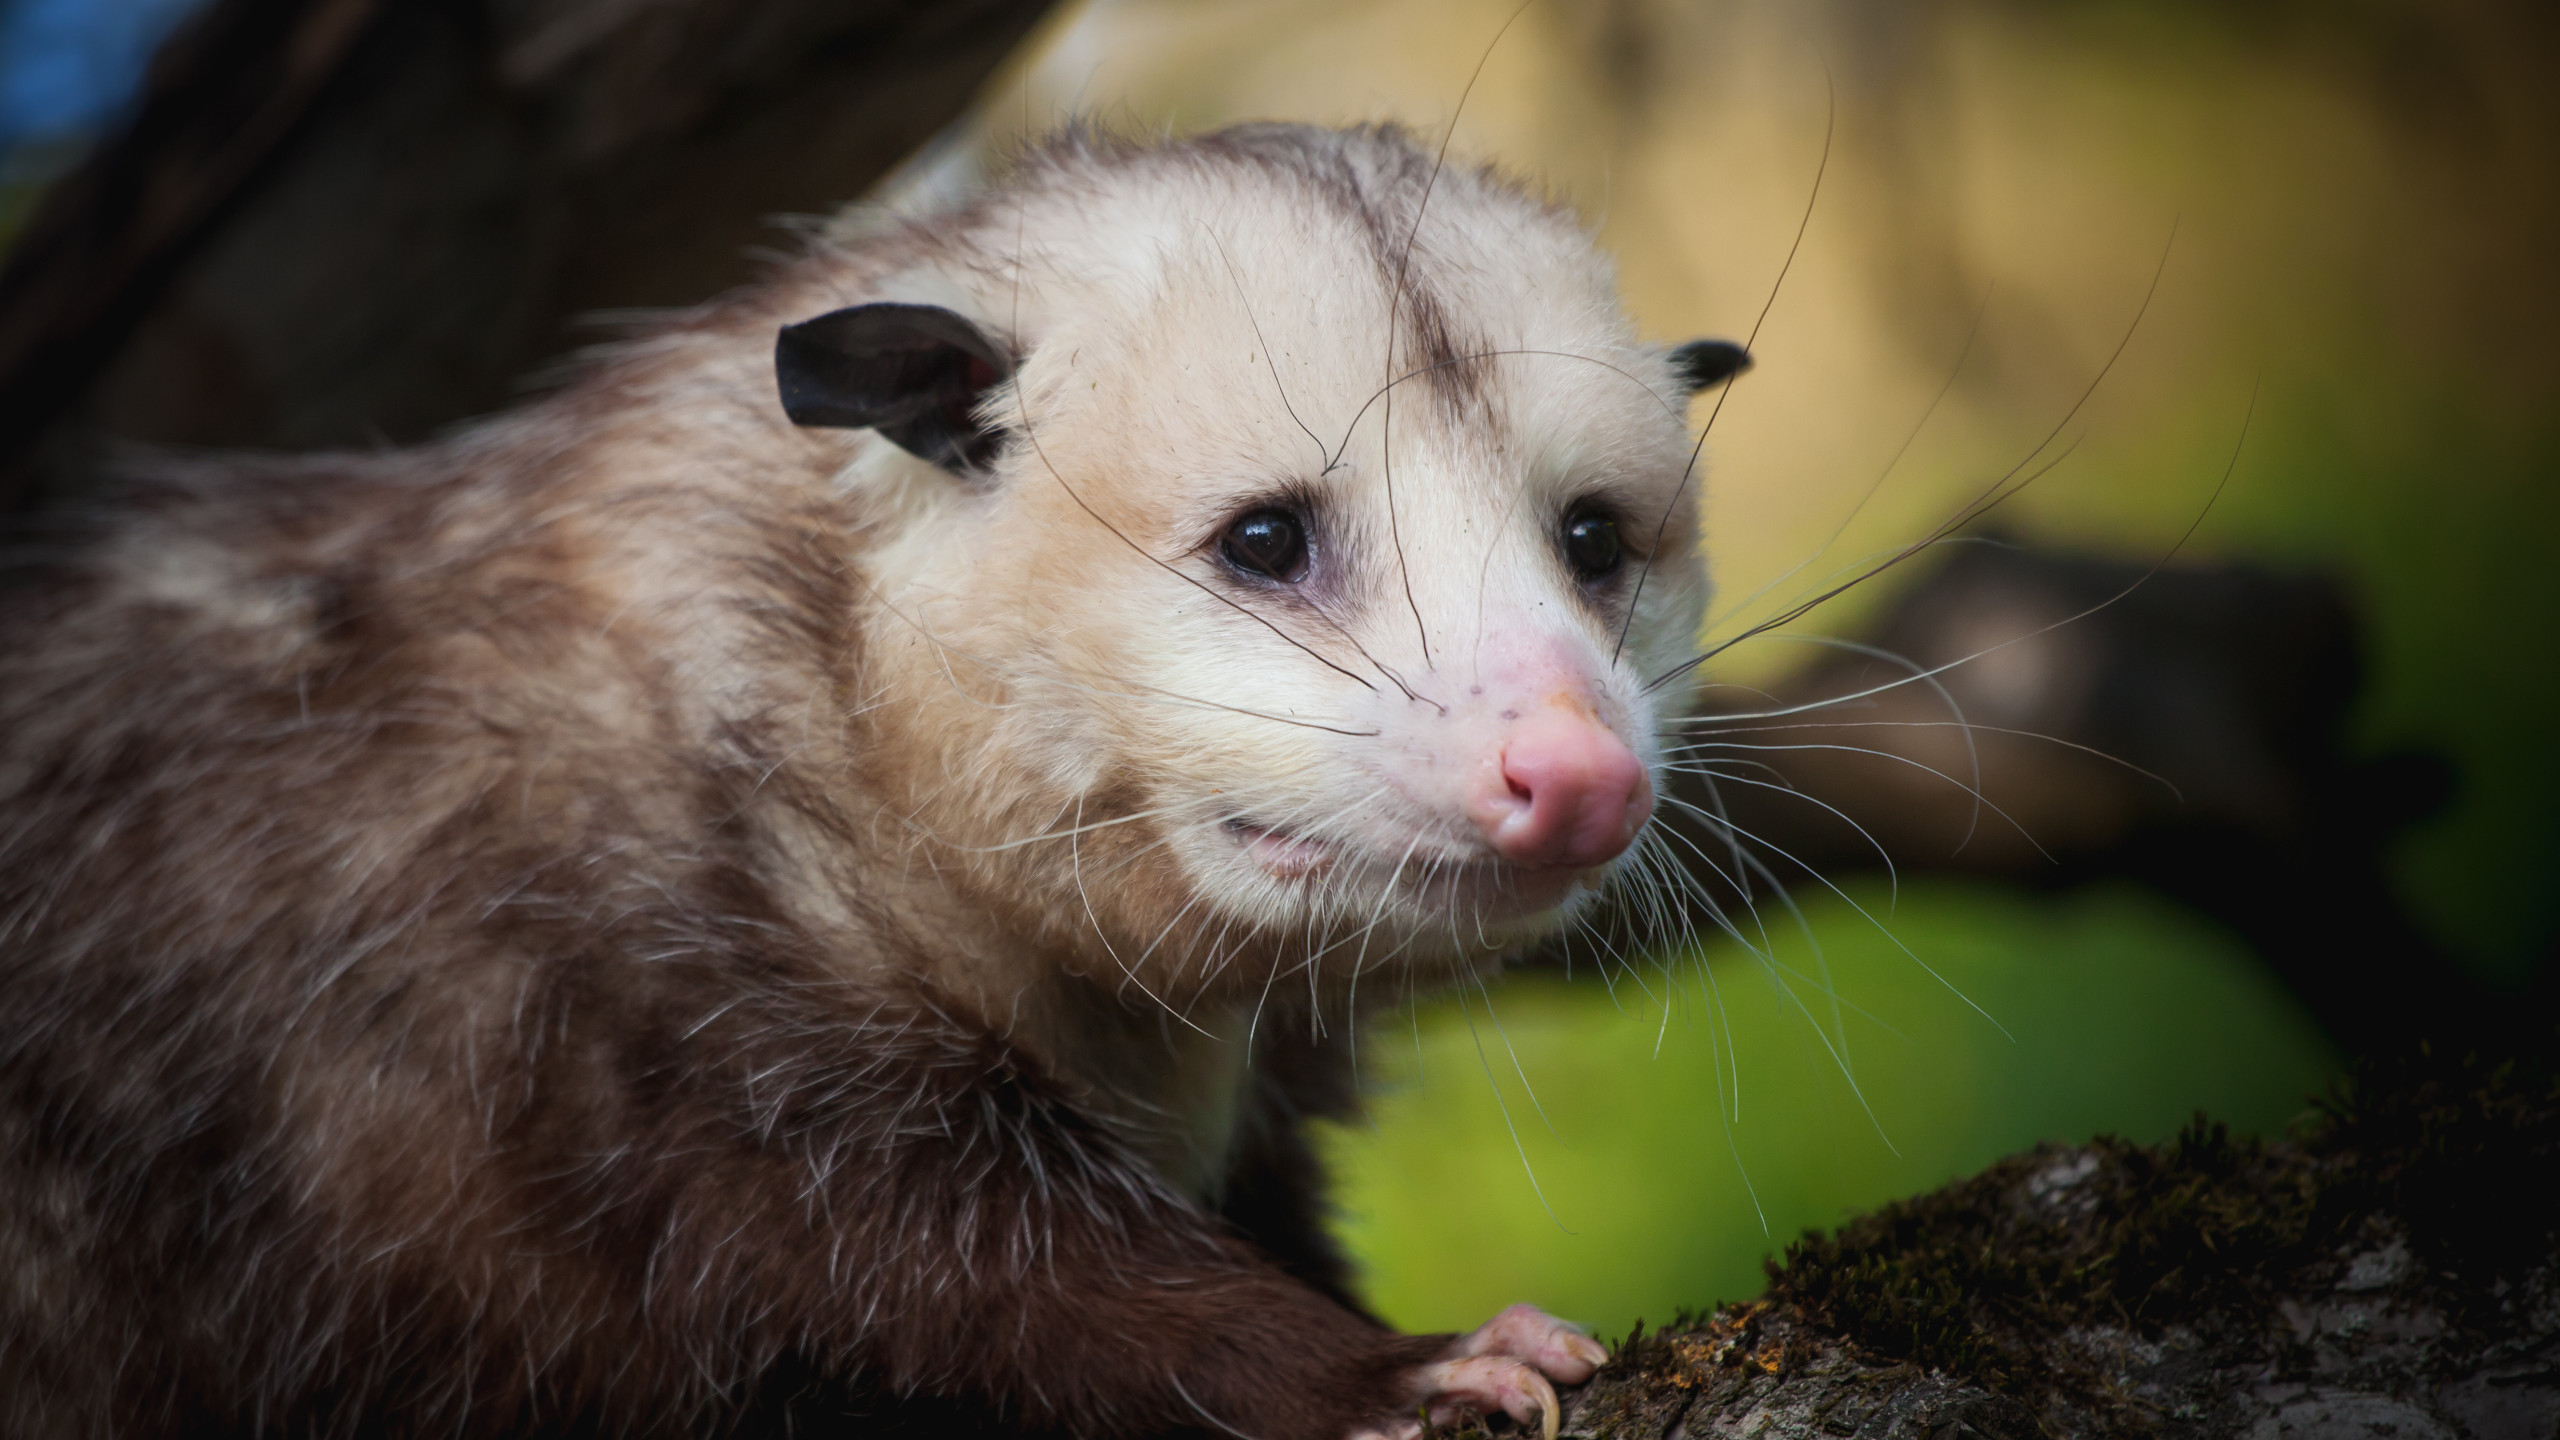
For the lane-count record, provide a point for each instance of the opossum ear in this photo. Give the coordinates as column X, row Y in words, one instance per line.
column 912, row 372
column 1702, row 363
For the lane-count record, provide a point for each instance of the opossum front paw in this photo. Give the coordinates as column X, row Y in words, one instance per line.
column 1557, row 1348
column 1510, row 1365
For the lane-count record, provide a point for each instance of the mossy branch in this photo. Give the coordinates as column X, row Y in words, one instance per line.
column 2394, row 1270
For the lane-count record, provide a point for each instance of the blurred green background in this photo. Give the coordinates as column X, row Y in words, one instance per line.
column 1662, row 1115
column 2366, row 209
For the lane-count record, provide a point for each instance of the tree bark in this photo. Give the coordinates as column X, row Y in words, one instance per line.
column 2394, row 1273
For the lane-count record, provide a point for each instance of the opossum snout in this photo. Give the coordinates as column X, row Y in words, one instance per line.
column 1560, row 791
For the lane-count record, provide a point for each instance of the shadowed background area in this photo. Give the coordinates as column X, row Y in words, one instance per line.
column 351, row 222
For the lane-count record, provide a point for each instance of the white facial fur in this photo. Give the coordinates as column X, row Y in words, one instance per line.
column 1260, row 773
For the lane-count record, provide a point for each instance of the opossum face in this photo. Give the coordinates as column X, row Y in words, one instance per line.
column 1302, row 612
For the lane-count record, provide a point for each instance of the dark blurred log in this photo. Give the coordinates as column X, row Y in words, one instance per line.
column 2057, row 719
column 2395, row 1273
column 222, row 98
column 346, row 222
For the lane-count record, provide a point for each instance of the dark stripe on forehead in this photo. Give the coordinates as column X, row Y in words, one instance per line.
column 1431, row 341
column 1380, row 201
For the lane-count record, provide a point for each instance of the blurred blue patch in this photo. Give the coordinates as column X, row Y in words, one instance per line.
column 68, row 66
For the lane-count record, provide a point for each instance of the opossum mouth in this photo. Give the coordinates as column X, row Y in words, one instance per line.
column 1286, row 855
column 1523, row 890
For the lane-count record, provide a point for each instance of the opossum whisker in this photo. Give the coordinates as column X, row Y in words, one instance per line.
column 1677, row 890
column 1830, row 123
column 1138, row 691
column 1075, row 856
column 2008, row 484
column 1704, row 768
column 1972, row 753
column 1972, row 333
column 2230, row 466
column 2167, row 247
column 1176, row 571
column 1739, row 877
column 1395, row 308
column 1377, row 914
column 1821, row 985
column 1254, row 1025
column 1712, row 990
column 1824, row 983
column 1686, row 892
column 1268, row 359
column 1766, row 956
column 1975, row 725
column 1213, row 963
column 1688, row 939
column 1670, row 992
column 1272, row 363
column 1964, row 352
column 1732, row 1057
column 1733, row 842
column 1506, row 352
column 1504, row 1035
column 1022, row 411
column 1503, row 1104
column 1924, row 676
column 1777, row 975
column 1807, row 707
column 1638, row 878
column 1351, row 1005
column 1724, row 922
column 1944, row 534
column 1079, row 828
column 1174, row 1378
column 1397, row 950
column 1230, row 795
column 1315, row 999
column 1893, row 878
column 1923, row 766
column 1130, row 689
column 1845, row 898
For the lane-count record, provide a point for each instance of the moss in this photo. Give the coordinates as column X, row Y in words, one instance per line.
column 1984, row 1278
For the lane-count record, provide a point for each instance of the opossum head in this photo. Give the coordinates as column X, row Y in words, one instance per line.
column 1285, row 535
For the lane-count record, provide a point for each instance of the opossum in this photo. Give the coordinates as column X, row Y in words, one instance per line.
column 812, row 877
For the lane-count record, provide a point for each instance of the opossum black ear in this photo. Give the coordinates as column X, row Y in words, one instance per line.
column 912, row 372
column 1702, row 363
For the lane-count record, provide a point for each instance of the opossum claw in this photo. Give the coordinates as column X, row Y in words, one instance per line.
column 1482, row 1384
column 1511, row 1363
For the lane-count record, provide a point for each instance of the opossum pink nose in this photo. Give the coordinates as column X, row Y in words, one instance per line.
column 1565, row 794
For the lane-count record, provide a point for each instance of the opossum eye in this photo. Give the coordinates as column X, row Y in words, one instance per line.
column 1591, row 544
column 1270, row 541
